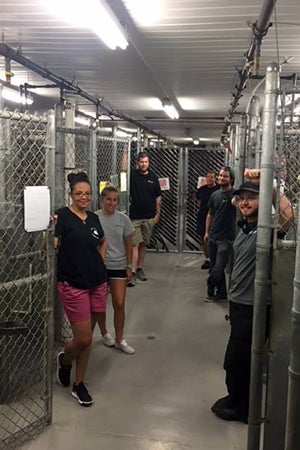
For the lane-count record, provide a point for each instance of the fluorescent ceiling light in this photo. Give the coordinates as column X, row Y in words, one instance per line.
column 83, row 121
column 145, row 13
column 122, row 134
column 93, row 14
column 104, row 117
column 104, row 129
column 13, row 95
column 188, row 104
column 210, row 139
column 170, row 109
column 196, row 141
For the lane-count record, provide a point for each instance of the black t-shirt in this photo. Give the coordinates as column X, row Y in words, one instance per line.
column 203, row 194
column 78, row 261
column 224, row 214
column 144, row 189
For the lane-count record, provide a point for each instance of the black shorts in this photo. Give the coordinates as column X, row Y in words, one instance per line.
column 120, row 274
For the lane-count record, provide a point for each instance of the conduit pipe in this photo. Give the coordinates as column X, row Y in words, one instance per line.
column 61, row 82
column 259, row 30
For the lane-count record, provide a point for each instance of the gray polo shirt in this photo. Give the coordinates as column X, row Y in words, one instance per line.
column 243, row 274
column 116, row 227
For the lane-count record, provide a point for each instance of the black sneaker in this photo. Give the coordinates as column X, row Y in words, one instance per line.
column 206, row 265
column 217, row 298
column 132, row 281
column 210, row 291
column 223, row 402
column 141, row 275
column 63, row 373
column 81, row 393
column 230, row 414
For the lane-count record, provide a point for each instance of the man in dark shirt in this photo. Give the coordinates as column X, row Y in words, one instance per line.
column 203, row 195
column 219, row 233
column 145, row 202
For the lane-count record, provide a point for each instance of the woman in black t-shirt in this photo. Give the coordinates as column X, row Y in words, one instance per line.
column 82, row 281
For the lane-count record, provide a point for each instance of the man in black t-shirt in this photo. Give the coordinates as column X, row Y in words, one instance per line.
column 203, row 195
column 220, row 233
column 145, row 202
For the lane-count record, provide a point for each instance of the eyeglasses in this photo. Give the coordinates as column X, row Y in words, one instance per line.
column 81, row 194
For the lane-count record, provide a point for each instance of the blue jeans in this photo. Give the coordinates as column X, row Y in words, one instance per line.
column 219, row 253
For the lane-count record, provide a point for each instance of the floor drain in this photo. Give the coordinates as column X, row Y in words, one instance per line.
column 151, row 336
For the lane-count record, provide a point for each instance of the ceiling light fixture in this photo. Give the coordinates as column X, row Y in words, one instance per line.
column 170, row 109
column 85, row 121
column 12, row 93
column 93, row 14
column 122, row 134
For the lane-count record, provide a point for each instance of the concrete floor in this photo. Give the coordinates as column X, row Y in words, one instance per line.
column 160, row 397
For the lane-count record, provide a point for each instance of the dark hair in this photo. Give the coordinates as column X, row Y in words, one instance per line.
column 211, row 171
column 231, row 173
column 74, row 178
column 141, row 155
column 108, row 189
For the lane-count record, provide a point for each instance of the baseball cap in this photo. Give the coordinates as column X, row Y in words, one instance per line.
column 249, row 187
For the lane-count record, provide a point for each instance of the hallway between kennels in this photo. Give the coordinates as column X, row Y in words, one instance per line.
column 160, row 397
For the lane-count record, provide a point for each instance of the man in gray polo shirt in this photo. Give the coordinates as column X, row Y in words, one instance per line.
column 237, row 361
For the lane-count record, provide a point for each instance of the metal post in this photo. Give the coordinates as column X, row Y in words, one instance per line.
column 292, row 438
column 239, row 164
column 262, row 283
column 70, row 166
column 50, row 157
column 234, row 145
column 253, row 147
column 92, row 169
column 182, row 185
column 233, row 139
column 146, row 141
column 227, row 161
column 128, row 168
column 59, row 194
column 139, row 141
column 114, row 153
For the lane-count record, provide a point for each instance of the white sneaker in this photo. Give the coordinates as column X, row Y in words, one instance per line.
column 125, row 347
column 108, row 340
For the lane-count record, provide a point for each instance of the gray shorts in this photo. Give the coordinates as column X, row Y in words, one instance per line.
column 143, row 229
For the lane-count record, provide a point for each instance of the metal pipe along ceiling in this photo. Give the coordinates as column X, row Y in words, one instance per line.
column 63, row 83
column 259, row 29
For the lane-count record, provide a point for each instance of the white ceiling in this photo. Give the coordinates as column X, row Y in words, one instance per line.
column 189, row 51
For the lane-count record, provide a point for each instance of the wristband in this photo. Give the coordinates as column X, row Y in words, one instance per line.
column 130, row 266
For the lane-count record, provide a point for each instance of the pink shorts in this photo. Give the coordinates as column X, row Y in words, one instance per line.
column 80, row 303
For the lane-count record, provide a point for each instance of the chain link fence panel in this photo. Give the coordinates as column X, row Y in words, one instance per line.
column 113, row 157
column 288, row 161
column 167, row 163
column 25, row 283
column 199, row 163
